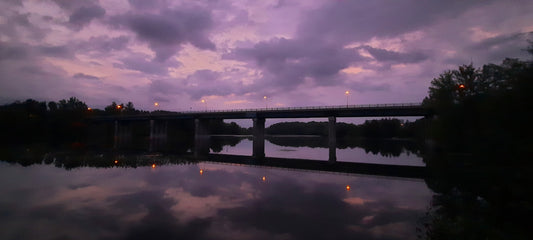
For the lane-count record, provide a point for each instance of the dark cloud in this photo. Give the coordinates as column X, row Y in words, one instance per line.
column 288, row 62
column 14, row 2
column 85, row 76
column 316, row 53
column 81, row 13
column 369, row 84
column 30, row 77
column 147, row 5
column 164, row 87
column 497, row 48
column 12, row 52
column 168, row 30
column 55, row 51
column 352, row 21
column 396, row 57
column 140, row 62
column 17, row 24
column 84, row 15
column 197, row 85
column 207, row 82
column 103, row 45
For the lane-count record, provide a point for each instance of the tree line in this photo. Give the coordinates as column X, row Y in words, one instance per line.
column 484, row 111
column 67, row 123
column 376, row 128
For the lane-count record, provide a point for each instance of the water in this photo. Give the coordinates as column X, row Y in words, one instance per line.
column 183, row 199
column 313, row 152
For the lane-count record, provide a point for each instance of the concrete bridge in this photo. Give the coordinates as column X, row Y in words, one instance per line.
column 158, row 121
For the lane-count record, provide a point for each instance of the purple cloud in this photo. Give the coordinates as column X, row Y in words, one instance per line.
column 167, row 31
column 288, row 62
column 383, row 55
column 296, row 53
column 352, row 21
column 84, row 15
column 85, row 77
column 141, row 63
column 81, row 13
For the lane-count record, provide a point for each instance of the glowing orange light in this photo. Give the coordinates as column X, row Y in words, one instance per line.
column 203, row 101
column 119, row 107
column 347, row 187
column 116, row 161
column 153, row 165
column 264, row 178
column 461, row 86
column 347, row 92
column 89, row 109
column 156, row 104
column 201, row 171
column 265, row 97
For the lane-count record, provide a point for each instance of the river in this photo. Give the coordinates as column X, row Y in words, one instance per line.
column 93, row 195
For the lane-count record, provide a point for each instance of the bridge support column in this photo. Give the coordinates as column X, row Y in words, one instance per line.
column 201, row 138
column 122, row 134
column 259, row 138
column 332, row 134
column 115, row 135
column 158, row 134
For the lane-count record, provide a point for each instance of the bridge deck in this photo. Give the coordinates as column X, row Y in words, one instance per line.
column 376, row 110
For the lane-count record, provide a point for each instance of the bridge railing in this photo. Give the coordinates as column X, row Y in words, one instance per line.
column 336, row 107
column 276, row 109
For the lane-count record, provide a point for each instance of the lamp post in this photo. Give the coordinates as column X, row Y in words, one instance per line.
column 205, row 103
column 156, row 105
column 266, row 101
column 347, row 94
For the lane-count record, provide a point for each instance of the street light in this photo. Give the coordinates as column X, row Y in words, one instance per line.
column 205, row 102
column 266, row 101
column 156, row 105
column 347, row 94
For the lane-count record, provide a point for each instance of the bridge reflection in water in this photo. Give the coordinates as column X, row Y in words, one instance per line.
column 158, row 122
column 401, row 171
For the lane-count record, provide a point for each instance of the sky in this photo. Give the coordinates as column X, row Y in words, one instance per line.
column 236, row 54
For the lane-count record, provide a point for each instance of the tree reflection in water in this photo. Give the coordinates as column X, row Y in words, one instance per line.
column 482, row 202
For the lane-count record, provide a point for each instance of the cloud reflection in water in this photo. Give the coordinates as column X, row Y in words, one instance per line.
column 225, row 202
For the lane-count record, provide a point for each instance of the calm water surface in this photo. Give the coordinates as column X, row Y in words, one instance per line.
column 202, row 200
column 354, row 154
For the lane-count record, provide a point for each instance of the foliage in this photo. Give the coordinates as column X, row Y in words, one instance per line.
column 484, row 109
column 382, row 128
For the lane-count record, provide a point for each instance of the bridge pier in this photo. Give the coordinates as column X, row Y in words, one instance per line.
column 122, row 134
column 158, row 134
column 259, row 138
column 115, row 134
column 332, row 135
column 201, row 138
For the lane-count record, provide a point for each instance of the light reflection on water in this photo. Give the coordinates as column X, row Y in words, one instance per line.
column 205, row 201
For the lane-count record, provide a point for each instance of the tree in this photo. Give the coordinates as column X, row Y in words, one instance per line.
column 129, row 108
column 72, row 104
column 484, row 110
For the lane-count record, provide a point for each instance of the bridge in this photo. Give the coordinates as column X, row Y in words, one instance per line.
column 159, row 121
